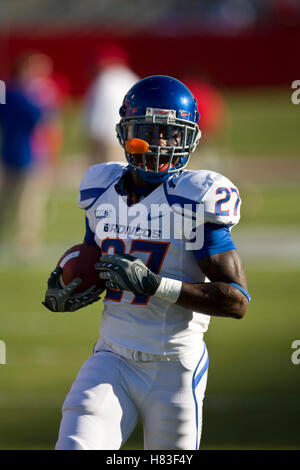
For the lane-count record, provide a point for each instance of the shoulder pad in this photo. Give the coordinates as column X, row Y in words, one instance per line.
column 96, row 180
column 218, row 194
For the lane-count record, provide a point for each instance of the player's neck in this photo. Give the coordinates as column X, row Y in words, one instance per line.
column 138, row 181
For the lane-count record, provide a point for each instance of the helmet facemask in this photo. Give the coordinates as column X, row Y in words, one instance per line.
column 167, row 143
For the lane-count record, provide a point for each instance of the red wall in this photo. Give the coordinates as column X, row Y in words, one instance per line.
column 264, row 58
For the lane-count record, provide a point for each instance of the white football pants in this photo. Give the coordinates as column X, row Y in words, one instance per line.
column 111, row 391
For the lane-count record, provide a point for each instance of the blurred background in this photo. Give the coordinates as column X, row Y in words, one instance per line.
column 66, row 65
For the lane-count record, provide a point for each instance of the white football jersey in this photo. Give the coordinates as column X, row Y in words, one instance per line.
column 144, row 323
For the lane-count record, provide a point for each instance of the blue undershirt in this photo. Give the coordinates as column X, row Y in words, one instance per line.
column 217, row 239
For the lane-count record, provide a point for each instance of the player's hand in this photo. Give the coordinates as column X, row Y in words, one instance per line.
column 126, row 272
column 58, row 299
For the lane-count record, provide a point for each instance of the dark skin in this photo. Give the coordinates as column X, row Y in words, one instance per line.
column 217, row 297
column 162, row 141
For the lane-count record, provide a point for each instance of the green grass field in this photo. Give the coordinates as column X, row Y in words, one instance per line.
column 264, row 123
column 252, row 399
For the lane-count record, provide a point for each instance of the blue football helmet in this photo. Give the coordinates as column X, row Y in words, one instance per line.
column 158, row 128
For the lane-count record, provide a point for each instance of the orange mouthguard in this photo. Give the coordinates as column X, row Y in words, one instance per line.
column 136, row 146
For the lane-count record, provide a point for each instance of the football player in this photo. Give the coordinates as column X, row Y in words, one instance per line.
column 162, row 285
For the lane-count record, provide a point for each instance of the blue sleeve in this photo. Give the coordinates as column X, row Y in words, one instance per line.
column 217, row 239
column 89, row 235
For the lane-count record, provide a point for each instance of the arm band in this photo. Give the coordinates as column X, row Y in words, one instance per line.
column 169, row 289
column 241, row 289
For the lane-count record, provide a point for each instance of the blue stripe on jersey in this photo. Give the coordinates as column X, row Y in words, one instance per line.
column 195, row 382
column 217, row 239
column 89, row 235
column 175, row 199
column 91, row 193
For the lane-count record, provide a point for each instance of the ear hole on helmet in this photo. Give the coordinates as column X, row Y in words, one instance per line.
column 122, row 111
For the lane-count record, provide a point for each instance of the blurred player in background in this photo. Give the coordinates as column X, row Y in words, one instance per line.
column 31, row 143
column 150, row 359
column 215, row 122
column 42, row 88
column 212, row 106
column 19, row 118
column 113, row 79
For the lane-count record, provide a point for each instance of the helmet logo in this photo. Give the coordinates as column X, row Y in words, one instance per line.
column 184, row 114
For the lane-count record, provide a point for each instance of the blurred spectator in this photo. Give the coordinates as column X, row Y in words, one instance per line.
column 42, row 88
column 102, row 103
column 211, row 105
column 18, row 119
column 33, row 81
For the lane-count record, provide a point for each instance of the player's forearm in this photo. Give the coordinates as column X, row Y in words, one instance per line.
column 213, row 298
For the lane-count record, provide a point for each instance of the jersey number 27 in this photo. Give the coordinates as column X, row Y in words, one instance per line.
column 219, row 206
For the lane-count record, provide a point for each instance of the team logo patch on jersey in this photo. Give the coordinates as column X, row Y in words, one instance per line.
column 102, row 213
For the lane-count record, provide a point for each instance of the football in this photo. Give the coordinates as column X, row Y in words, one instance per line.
column 79, row 261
